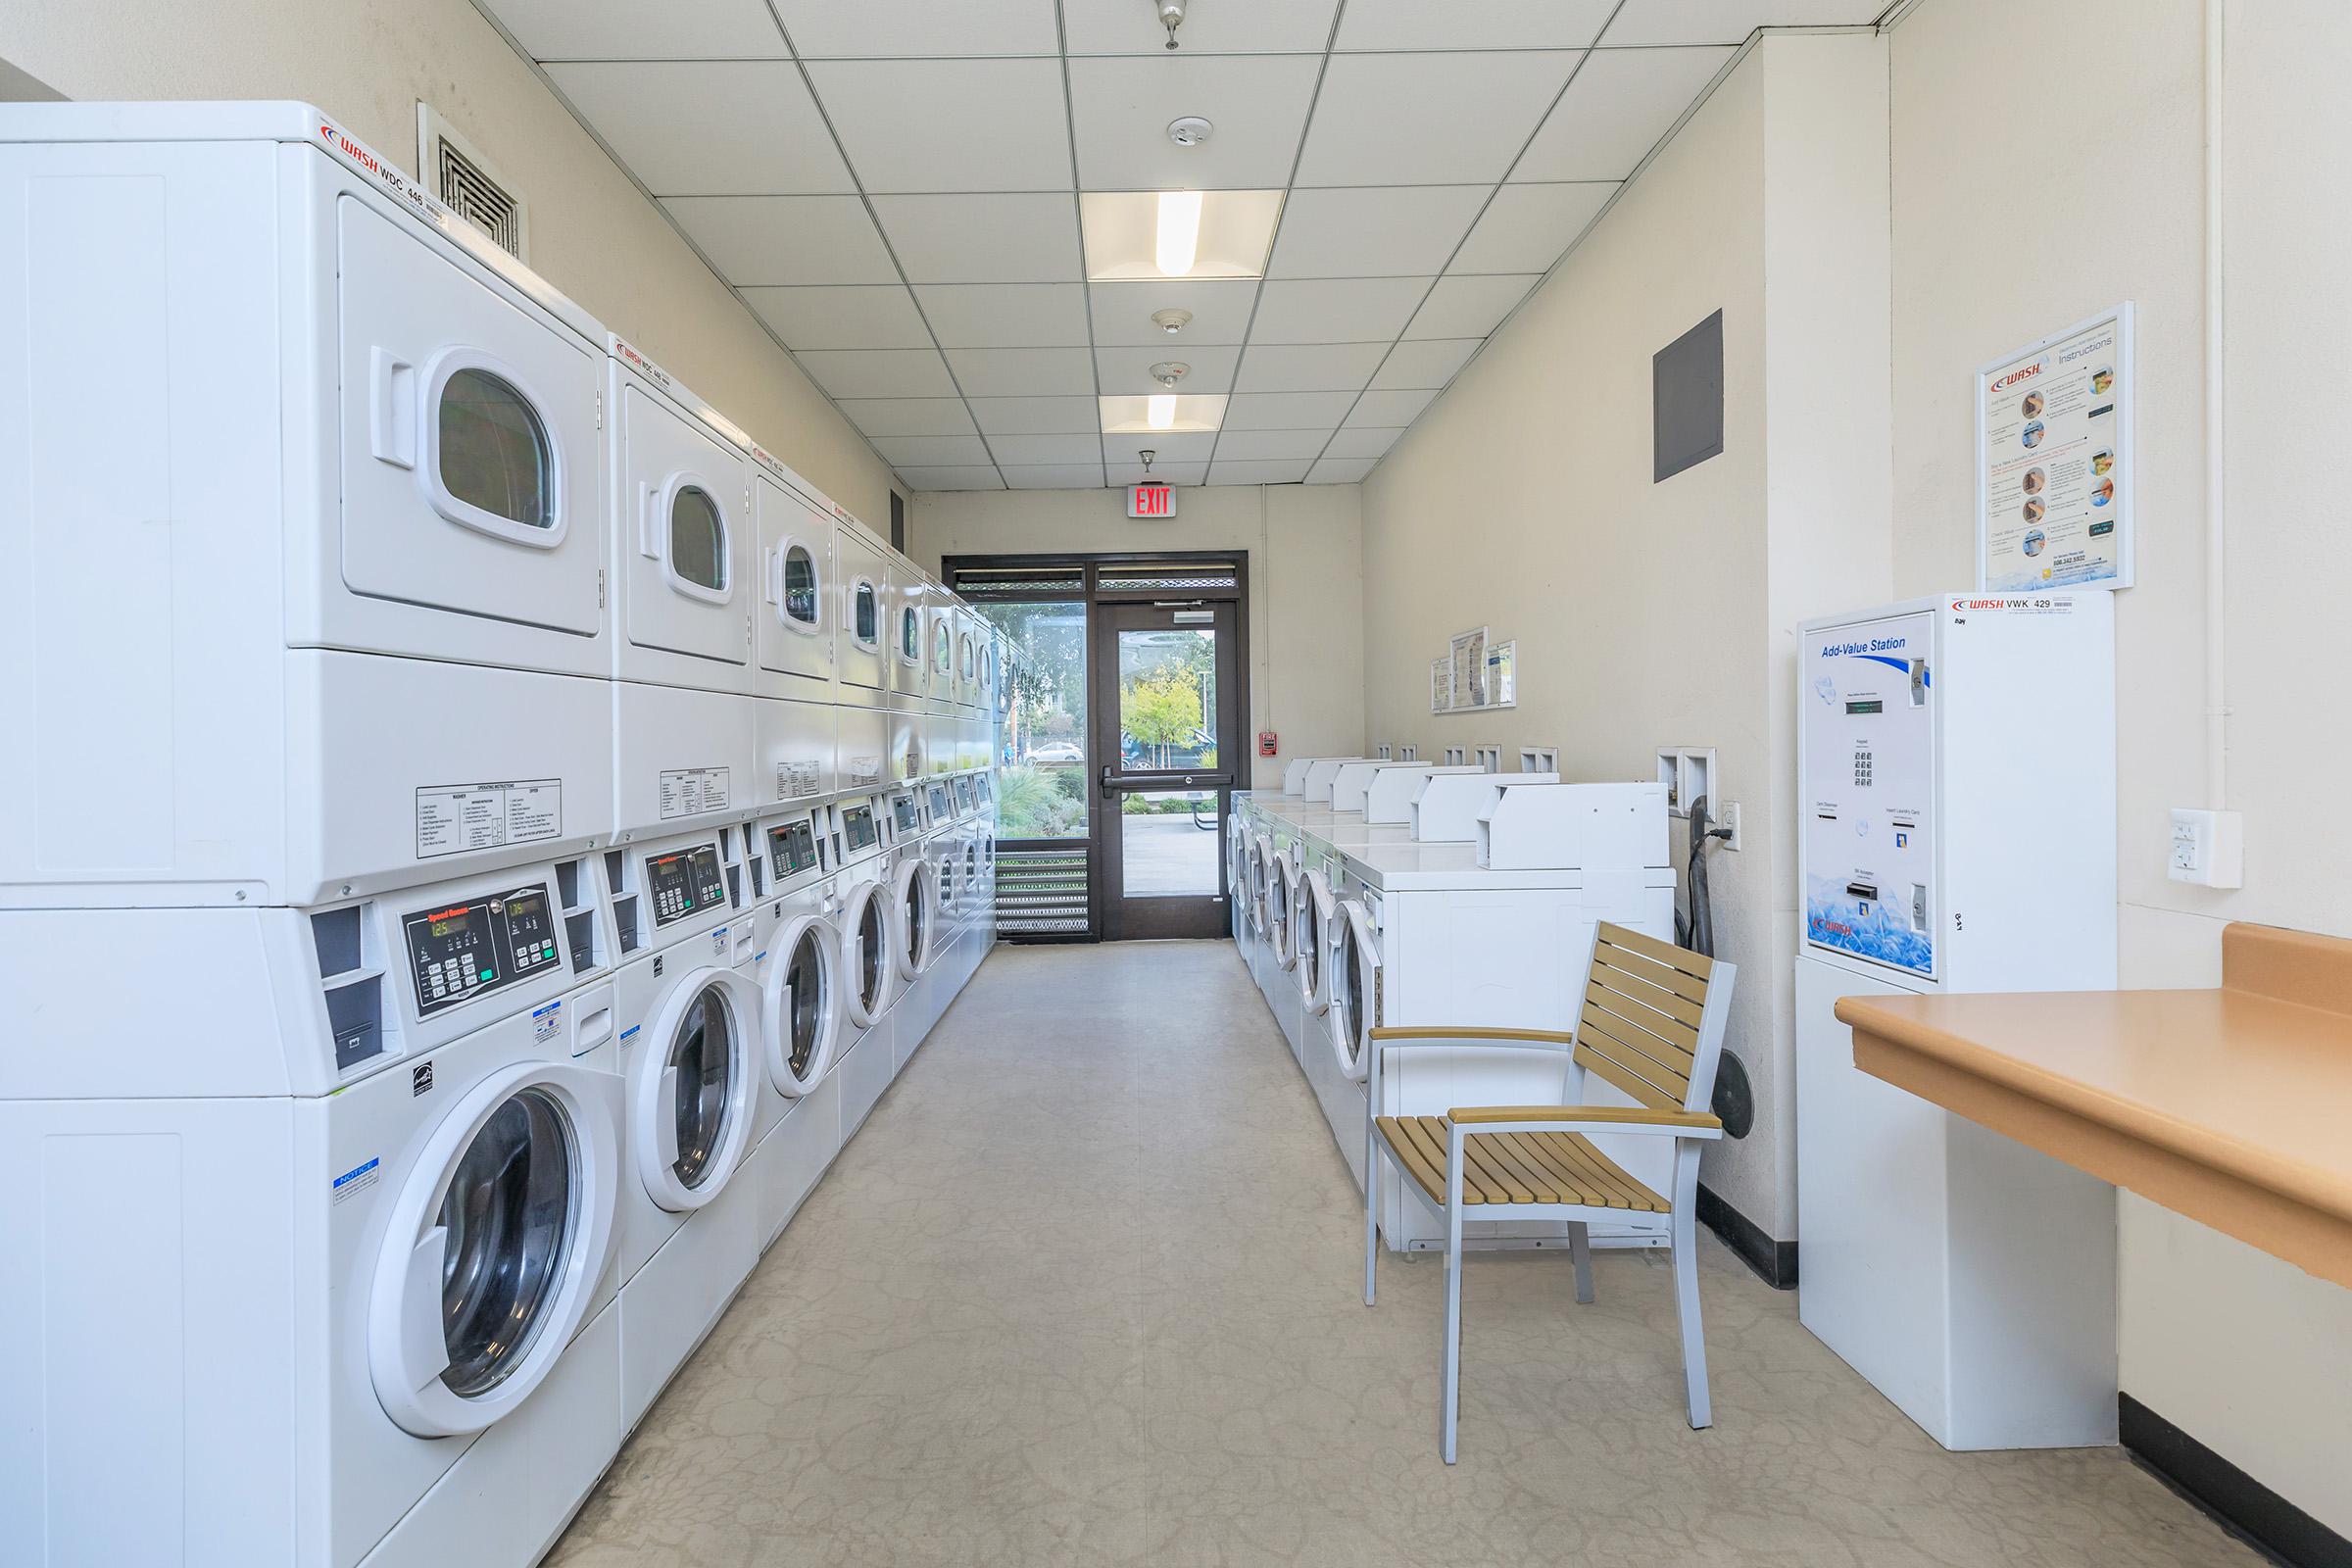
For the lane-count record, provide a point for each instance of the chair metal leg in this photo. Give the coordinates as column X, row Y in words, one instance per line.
column 1579, row 1252
column 1451, row 1376
column 1686, row 1309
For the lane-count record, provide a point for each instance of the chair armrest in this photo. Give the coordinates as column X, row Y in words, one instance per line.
column 1609, row 1118
column 1550, row 1037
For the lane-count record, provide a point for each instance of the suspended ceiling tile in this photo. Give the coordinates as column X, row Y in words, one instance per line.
column 1642, row 23
column 949, row 125
column 1166, row 448
column 861, row 315
column 1469, row 307
column 879, row 372
column 932, row 451
column 756, row 241
column 1038, row 415
column 1129, row 369
column 1400, row 231
column 1272, row 446
column 986, row 315
column 1220, row 313
column 908, row 415
column 1031, row 451
column 1019, row 239
column 1428, row 118
column 829, row 28
column 1473, row 24
column 1223, row 472
column 1387, row 409
column 1054, row 476
column 1023, row 372
column 1309, row 367
column 1340, row 470
column 1183, row 473
column 1287, row 411
column 1615, row 110
column 1116, row 27
column 709, row 127
column 1428, row 363
column 971, row 476
column 629, row 30
column 1336, row 309
column 1122, row 107
column 1361, row 443
column 1526, row 228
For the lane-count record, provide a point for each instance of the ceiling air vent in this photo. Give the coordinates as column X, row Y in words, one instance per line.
column 470, row 185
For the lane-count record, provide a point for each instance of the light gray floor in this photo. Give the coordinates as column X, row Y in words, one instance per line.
column 1087, row 1290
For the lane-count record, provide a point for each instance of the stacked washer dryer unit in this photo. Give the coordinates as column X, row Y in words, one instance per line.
column 476, row 1042
column 317, row 1167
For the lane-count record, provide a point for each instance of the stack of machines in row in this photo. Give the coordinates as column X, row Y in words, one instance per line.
column 1372, row 892
column 484, row 834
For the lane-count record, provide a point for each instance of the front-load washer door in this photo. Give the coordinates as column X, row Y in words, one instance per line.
column 1354, row 1011
column 797, row 599
column 469, row 454
column 865, row 952
column 1311, row 934
column 692, row 1105
column 801, row 1003
column 493, row 1249
column 1282, row 902
column 915, row 914
column 685, row 543
column 1261, row 884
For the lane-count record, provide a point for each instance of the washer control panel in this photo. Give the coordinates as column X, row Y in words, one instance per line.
column 906, row 814
column 964, row 792
column 468, row 949
column 942, row 809
column 790, row 850
column 857, row 827
column 684, row 882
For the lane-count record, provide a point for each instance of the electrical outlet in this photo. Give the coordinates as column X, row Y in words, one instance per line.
column 1729, row 819
column 2207, row 847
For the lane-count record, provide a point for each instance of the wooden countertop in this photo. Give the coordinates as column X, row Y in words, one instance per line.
column 2233, row 1105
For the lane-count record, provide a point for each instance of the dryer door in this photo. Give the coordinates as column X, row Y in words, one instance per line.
column 468, row 444
column 862, row 642
column 801, row 1003
column 865, row 952
column 916, row 915
column 797, row 597
column 493, row 1247
column 692, row 1105
column 1310, row 933
column 685, row 542
column 1354, row 1011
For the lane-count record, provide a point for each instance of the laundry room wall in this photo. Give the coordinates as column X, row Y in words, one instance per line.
column 1304, row 547
column 593, row 233
column 2048, row 162
column 1524, row 502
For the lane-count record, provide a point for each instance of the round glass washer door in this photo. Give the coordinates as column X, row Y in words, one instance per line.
column 1310, row 923
column 865, row 952
column 692, row 1105
column 801, row 1003
column 1355, row 987
column 914, row 911
column 1281, row 889
column 492, row 1251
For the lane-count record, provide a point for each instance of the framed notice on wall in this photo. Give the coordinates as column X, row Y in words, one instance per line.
column 2054, row 470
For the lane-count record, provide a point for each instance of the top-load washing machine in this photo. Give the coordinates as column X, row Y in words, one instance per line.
column 793, row 859
column 312, row 1230
column 407, row 467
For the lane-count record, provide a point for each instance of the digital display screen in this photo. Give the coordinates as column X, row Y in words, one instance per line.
column 684, row 882
column 468, row 949
column 941, row 811
column 1872, row 706
column 792, row 850
column 964, row 794
column 903, row 812
column 857, row 825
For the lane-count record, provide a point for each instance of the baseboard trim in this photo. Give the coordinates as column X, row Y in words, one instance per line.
column 1775, row 1261
column 2239, row 1503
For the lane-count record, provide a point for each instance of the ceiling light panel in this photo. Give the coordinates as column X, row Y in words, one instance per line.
column 1122, row 312
column 1428, row 363
column 1469, row 307
column 854, row 316
column 1308, row 368
column 1526, row 228
column 932, row 451
column 1054, row 476
column 1287, row 411
column 709, row 127
column 1615, row 110
column 1019, row 239
column 1023, row 372
column 1122, row 234
column 1037, row 416
column 1474, row 23
column 1642, row 23
column 785, row 239
column 823, row 29
column 1129, row 369
column 1186, row 413
column 1336, row 309
column 1400, row 231
column 883, row 417
column 1122, row 109
column 1428, row 118
column 987, row 315
column 949, row 125
column 629, row 30
column 1224, row 27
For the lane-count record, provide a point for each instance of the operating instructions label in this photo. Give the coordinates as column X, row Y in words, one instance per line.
column 692, row 791
column 795, row 780
column 457, row 818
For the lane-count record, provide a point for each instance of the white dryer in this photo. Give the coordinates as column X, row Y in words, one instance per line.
column 409, row 469
column 798, row 970
column 862, row 633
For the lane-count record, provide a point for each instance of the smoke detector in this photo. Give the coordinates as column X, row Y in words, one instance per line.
column 1167, row 372
column 1171, row 17
column 1171, row 320
column 1190, row 132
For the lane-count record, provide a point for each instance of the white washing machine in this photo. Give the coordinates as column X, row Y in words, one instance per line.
column 311, row 1237
column 692, row 1055
column 799, row 973
column 1282, row 903
column 868, row 970
column 914, row 921
column 411, row 468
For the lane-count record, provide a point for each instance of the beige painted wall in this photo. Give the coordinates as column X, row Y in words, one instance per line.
column 1306, row 646
column 2252, row 1356
column 593, row 234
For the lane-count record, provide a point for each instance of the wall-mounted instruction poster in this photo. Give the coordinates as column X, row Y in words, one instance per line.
column 2054, row 478
column 1502, row 675
column 1441, row 685
column 1470, row 668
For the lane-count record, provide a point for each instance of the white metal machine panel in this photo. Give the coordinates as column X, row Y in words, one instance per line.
column 1530, row 826
column 681, row 758
column 861, row 746
column 797, row 759
column 1389, row 803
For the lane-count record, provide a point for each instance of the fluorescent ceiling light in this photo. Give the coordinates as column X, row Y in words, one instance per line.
column 1152, row 235
column 1163, row 413
column 1159, row 411
column 1179, row 237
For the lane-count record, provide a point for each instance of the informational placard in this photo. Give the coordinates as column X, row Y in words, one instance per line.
column 1502, row 675
column 1470, row 668
column 2054, row 472
column 1441, row 685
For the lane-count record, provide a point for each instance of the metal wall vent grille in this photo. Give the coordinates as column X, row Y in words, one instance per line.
column 470, row 186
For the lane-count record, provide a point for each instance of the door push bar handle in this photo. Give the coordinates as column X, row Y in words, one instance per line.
column 1112, row 781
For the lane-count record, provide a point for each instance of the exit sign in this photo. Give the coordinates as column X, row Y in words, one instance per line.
column 1151, row 501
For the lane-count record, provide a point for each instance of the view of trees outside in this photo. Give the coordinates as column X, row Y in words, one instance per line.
column 1167, row 708
column 1041, row 787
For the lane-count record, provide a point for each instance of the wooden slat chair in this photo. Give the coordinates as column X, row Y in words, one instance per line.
column 1653, row 1026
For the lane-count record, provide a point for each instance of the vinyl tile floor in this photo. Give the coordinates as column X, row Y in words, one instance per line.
column 1085, row 1290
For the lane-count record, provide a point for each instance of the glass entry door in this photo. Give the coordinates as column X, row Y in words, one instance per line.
column 1167, row 751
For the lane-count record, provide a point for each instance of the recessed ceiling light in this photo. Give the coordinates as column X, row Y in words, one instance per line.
column 1159, row 411
column 1190, row 132
column 1171, row 321
column 1177, row 240
column 1143, row 234
column 1163, row 413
